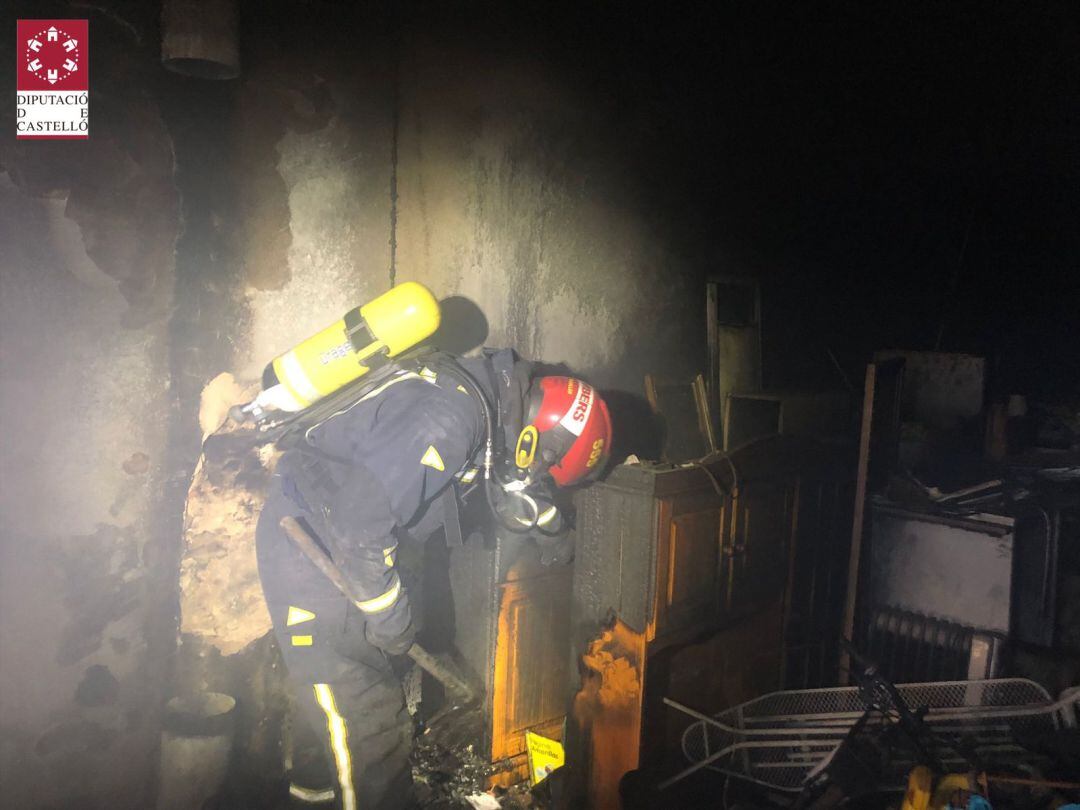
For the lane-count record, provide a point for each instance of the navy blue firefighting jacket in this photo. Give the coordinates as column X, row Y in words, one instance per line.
column 381, row 465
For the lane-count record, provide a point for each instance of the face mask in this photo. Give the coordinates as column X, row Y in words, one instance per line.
column 525, row 508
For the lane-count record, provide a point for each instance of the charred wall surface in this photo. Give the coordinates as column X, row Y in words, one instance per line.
column 514, row 193
column 87, row 239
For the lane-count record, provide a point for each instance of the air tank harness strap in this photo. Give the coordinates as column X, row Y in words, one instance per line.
column 318, row 475
column 313, row 481
column 443, row 363
column 360, row 337
column 451, row 516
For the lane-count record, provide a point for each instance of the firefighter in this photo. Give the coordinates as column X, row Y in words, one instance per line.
column 396, row 461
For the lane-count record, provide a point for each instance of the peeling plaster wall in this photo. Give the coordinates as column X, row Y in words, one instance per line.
column 66, row 369
column 88, row 234
column 312, row 241
column 83, row 406
column 221, row 601
column 339, row 253
column 513, row 190
column 328, row 145
column 307, row 235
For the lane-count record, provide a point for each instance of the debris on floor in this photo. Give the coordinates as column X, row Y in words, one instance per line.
column 454, row 777
column 483, row 801
column 444, row 776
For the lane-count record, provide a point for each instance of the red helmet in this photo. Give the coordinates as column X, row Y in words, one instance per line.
column 567, row 431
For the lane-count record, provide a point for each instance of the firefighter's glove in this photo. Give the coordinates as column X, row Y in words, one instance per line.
column 557, row 550
column 391, row 629
column 390, row 640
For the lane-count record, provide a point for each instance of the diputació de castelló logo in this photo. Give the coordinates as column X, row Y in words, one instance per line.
column 53, row 84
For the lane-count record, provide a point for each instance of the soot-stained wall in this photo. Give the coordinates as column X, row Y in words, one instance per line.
column 83, row 403
column 87, row 239
column 494, row 169
column 516, row 190
column 314, row 141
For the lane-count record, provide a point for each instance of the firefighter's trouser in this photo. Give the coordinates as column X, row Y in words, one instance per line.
column 343, row 684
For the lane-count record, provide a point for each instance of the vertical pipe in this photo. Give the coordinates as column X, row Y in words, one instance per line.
column 198, row 38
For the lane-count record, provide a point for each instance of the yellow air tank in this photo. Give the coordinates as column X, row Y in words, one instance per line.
column 364, row 338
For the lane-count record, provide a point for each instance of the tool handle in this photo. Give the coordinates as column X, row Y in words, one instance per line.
column 304, row 541
column 425, row 660
column 440, row 672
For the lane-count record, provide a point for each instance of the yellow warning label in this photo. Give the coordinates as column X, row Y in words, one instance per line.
column 433, row 459
column 301, row 641
column 298, row 616
column 545, row 756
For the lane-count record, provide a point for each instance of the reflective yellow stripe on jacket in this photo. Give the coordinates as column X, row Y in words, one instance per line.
column 383, row 601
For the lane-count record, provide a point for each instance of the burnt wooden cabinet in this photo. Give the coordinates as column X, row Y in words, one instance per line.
column 682, row 588
column 530, row 673
column 717, row 556
column 689, row 574
column 667, row 549
column 757, row 539
column 511, row 618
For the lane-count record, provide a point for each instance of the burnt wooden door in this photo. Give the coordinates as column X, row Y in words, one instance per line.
column 755, row 542
column 688, row 559
column 531, row 668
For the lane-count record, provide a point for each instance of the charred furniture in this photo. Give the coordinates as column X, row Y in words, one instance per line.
column 709, row 585
column 511, row 617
